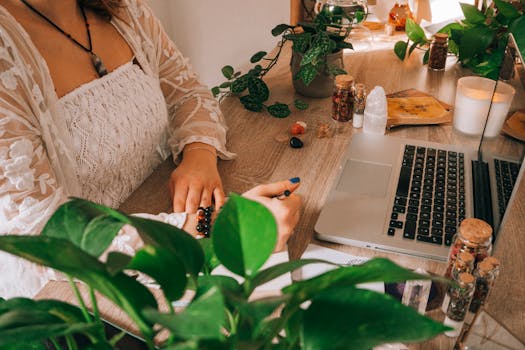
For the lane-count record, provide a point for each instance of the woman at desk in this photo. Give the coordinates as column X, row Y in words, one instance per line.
column 93, row 97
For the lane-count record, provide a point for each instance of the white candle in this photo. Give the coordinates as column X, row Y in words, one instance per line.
column 473, row 102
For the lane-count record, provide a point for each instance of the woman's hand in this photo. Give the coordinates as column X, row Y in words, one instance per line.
column 285, row 209
column 196, row 181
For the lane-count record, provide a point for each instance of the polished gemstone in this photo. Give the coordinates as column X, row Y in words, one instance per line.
column 296, row 142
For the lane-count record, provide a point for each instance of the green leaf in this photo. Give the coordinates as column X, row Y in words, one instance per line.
column 307, row 74
column 164, row 267
column 251, row 103
column 244, row 235
column 426, row 56
column 506, row 9
column 312, row 56
column 344, row 45
column 85, row 224
column 375, row 270
column 415, row 32
column 215, row 91
column 258, row 56
column 202, row 319
column 224, row 283
column 279, row 110
column 517, row 28
column 225, row 85
column 33, row 333
column 300, row 104
column 258, row 89
column 412, row 48
column 400, row 49
column 62, row 255
column 280, row 28
column 227, row 71
column 450, row 27
column 117, row 262
column 472, row 14
column 210, row 259
column 166, row 236
column 240, row 84
column 474, row 41
column 350, row 318
column 275, row 271
column 61, row 310
column 301, row 41
column 335, row 70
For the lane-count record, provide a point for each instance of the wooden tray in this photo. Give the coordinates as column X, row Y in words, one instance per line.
column 414, row 107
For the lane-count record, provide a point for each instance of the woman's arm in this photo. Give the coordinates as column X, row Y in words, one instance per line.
column 195, row 120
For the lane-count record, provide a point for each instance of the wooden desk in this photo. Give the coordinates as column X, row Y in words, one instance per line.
column 261, row 158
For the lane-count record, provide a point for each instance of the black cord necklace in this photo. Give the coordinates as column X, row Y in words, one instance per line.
column 97, row 61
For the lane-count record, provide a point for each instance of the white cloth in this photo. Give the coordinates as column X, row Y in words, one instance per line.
column 39, row 151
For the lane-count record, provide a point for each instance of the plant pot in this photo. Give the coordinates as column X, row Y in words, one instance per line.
column 323, row 83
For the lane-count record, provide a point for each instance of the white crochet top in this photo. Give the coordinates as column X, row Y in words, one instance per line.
column 116, row 123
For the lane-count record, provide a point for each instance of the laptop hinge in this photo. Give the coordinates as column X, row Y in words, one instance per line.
column 482, row 196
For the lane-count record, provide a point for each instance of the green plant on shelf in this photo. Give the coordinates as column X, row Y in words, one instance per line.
column 324, row 312
column 314, row 41
column 478, row 41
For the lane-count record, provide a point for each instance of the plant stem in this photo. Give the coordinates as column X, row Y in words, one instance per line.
column 233, row 323
column 55, row 343
column 83, row 307
column 71, row 343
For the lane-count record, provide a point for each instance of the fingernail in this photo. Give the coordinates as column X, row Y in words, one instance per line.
column 295, row 180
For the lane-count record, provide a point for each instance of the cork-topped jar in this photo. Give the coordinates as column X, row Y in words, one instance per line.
column 438, row 52
column 473, row 236
column 343, row 98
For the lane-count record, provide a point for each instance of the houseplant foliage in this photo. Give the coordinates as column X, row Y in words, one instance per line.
column 223, row 313
column 314, row 41
column 478, row 41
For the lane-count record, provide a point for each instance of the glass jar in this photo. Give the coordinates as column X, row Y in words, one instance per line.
column 460, row 297
column 343, row 98
column 464, row 263
column 346, row 12
column 473, row 236
column 438, row 52
column 399, row 13
column 359, row 105
column 485, row 275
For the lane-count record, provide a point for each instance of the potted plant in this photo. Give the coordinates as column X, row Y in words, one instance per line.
column 325, row 312
column 317, row 57
column 478, row 41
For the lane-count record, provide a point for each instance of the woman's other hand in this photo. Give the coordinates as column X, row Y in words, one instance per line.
column 196, row 181
column 285, row 209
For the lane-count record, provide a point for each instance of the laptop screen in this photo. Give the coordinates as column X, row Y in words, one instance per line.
column 502, row 155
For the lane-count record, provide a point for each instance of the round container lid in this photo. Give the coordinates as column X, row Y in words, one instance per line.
column 441, row 36
column 466, row 277
column 492, row 260
column 475, row 230
column 466, row 257
column 485, row 266
column 344, row 80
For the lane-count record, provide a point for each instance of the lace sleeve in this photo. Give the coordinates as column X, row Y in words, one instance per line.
column 193, row 111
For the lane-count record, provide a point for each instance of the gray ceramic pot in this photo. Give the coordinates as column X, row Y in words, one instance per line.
column 323, row 84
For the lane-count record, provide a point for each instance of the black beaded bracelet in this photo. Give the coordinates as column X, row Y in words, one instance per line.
column 204, row 220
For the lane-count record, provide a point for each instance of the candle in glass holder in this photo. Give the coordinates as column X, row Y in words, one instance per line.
column 473, row 96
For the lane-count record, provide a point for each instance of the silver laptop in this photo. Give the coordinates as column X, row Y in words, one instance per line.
column 408, row 196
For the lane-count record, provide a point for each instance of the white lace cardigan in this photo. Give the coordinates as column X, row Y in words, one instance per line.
column 37, row 169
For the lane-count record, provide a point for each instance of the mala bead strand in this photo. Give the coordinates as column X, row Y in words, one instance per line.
column 204, row 220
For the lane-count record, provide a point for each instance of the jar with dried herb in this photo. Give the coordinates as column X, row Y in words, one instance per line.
column 438, row 52
column 460, row 297
column 343, row 98
column 359, row 105
column 464, row 263
column 473, row 236
column 485, row 275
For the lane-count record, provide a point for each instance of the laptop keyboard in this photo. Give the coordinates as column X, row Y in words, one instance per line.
column 506, row 175
column 430, row 195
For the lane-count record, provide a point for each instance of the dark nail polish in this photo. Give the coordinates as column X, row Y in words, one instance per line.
column 295, row 180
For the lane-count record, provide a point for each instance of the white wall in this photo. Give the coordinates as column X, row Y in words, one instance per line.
column 216, row 33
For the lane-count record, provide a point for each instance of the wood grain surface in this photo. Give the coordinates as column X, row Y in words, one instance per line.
column 263, row 156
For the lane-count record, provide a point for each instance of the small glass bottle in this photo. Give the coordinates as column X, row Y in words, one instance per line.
column 399, row 13
column 473, row 236
column 359, row 105
column 438, row 52
column 485, row 275
column 343, row 98
column 464, row 263
column 460, row 298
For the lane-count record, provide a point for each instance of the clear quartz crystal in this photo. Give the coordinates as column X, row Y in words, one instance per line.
column 375, row 116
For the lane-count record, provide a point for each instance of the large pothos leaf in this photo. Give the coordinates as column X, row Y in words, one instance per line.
column 307, row 74
column 475, row 41
column 415, row 32
column 375, row 270
column 202, row 319
column 244, row 235
column 352, row 318
column 472, row 14
column 65, row 256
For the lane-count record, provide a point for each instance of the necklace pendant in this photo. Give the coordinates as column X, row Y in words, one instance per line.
column 99, row 65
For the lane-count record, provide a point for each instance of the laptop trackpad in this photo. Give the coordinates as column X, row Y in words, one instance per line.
column 364, row 178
